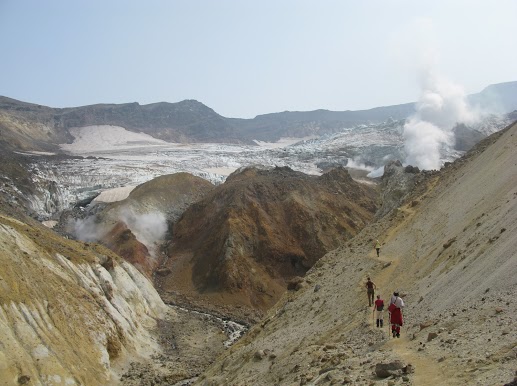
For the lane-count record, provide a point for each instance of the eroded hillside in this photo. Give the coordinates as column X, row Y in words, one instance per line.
column 69, row 312
column 239, row 246
column 450, row 251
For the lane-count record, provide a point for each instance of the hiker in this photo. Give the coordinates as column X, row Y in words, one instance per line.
column 378, row 310
column 370, row 290
column 378, row 247
column 395, row 310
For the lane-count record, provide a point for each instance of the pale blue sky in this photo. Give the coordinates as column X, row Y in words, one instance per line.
column 244, row 58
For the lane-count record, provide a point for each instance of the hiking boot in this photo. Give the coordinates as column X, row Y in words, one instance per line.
column 377, row 322
column 381, row 323
column 394, row 334
column 398, row 335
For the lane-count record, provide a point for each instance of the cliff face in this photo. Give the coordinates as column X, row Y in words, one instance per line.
column 450, row 253
column 242, row 243
column 69, row 312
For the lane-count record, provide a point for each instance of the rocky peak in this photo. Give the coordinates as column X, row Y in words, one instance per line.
column 241, row 244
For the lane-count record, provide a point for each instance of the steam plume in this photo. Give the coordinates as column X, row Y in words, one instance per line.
column 148, row 228
column 428, row 132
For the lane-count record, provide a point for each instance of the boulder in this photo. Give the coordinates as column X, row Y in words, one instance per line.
column 385, row 370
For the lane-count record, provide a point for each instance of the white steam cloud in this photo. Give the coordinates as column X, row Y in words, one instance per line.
column 356, row 163
column 148, row 228
column 428, row 132
column 88, row 229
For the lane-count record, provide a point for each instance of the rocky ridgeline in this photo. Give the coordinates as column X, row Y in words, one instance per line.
column 30, row 126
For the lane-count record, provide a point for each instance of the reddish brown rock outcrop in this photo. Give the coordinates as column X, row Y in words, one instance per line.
column 241, row 244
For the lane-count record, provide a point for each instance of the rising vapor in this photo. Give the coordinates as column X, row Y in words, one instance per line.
column 428, row 132
column 148, row 228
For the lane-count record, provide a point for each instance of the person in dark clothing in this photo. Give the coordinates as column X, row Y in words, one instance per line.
column 370, row 290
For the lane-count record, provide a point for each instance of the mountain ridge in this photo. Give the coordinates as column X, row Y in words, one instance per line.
column 37, row 127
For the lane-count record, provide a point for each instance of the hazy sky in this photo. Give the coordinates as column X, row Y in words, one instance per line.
column 244, row 58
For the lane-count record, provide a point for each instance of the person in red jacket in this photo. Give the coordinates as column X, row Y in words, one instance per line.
column 378, row 310
column 395, row 310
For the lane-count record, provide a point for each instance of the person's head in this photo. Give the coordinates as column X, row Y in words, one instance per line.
column 396, row 293
column 368, row 278
column 378, row 296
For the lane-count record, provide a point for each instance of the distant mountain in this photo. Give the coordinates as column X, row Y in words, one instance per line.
column 30, row 126
column 270, row 127
column 500, row 98
column 25, row 126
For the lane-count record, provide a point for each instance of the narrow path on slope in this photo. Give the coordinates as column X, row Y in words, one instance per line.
column 426, row 370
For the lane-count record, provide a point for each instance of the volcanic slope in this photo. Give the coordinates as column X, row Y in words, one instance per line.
column 70, row 313
column 136, row 227
column 237, row 248
column 451, row 254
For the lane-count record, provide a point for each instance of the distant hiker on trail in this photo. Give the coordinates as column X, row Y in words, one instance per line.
column 395, row 310
column 370, row 290
column 378, row 247
column 378, row 310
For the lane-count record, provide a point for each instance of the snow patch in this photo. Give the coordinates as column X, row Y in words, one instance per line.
column 114, row 195
column 106, row 137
